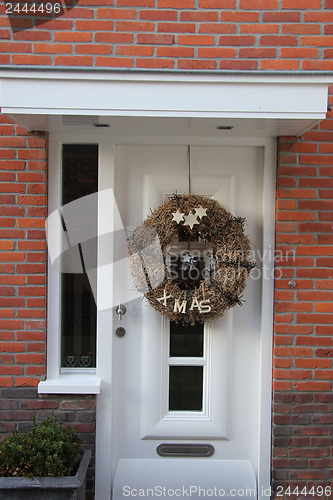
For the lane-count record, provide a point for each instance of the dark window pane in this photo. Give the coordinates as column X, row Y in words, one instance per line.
column 78, row 307
column 186, row 341
column 189, row 263
column 185, row 388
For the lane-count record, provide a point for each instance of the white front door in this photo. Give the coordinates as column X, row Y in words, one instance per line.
column 171, row 386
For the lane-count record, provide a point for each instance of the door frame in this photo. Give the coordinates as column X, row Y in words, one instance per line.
column 107, row 147
column 105, row 318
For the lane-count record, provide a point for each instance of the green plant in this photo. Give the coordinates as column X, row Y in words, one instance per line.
column 47, row 449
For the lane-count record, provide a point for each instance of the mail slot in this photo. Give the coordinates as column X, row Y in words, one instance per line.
column 185, row 450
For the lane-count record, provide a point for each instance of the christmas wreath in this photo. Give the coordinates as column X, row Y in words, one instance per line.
column 190, row 259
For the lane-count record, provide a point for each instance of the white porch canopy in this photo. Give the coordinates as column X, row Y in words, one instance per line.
column 228, row 104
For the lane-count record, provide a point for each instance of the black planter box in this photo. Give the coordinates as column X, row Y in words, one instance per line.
column 47, row 488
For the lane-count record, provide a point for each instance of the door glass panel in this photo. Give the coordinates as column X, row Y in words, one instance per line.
column 185, row 388
column 186, row 341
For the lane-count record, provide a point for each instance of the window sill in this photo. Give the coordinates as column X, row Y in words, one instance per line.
column 74, row 383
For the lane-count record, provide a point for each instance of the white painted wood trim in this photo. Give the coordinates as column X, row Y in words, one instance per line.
column 104, row 349
column 164, row 94
column 74, row 381
column 266, row 345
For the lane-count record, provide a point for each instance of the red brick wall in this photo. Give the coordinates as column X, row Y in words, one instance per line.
column 178, row 34
column 303, row 340
column 23, row 208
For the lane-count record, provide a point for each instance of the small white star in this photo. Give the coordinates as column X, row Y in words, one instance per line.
column 178, row 216
column 191, row 220
column 200, row 212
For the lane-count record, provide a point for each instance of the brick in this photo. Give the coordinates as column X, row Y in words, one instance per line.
column 94, row 25
column 64, row 36
column 259, row 28
column 31, row 291
column 106, row 13
column 301, row 4
column 35, row 60
column 175, row 51
column 283, row 340
column 295, row 216
column 12, row 256
column 312, row 363
column 12, row 280
column 88, row 404
column 217, row 28
column 279, row 64
column 153, row 39
column 315, row 341
column 292, row 374
column 27, row 381
column 315, row 227
column 114, row 62
column 26, row 358
column 281, row 386
column 176, row 27
column 135, row 3
column 34, row 222
column 281, row 17
column 35, row 370
column 217, row 4
column 317, row 41
column 6, row 382
column 195, row 40
column 324, row 375
column 189, row 64
column 258, row 4
column 199, row 16
column 296, row 193
column 299, row 28
column 257, row 52
column 32, row 200
column 312, row 386
column 315, row 295
column 93, row 49
column 84, row 427
column 239, row 17
column 323, row 330
column 11, row 346
column 235, row 40
column 315, row 318
column 10, row 370
column 161, row 15
column 134, row 26
column 9, row 46
column 51, row 48
column 278, row 40
column 170, row 4
column 73, row 61
column 314, row 250
column 293, row 306
column 324, row 284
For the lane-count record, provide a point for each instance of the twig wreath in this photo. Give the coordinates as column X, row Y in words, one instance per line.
column 190, row 259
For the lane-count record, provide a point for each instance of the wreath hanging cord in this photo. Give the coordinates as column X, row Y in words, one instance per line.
column 190, row 258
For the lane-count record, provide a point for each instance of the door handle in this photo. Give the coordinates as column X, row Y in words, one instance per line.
column 120, row 310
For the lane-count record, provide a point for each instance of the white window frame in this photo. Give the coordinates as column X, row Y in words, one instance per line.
column 61, row 380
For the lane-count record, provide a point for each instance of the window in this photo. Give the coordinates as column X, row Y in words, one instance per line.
column 77, row 304
column 186, row 367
